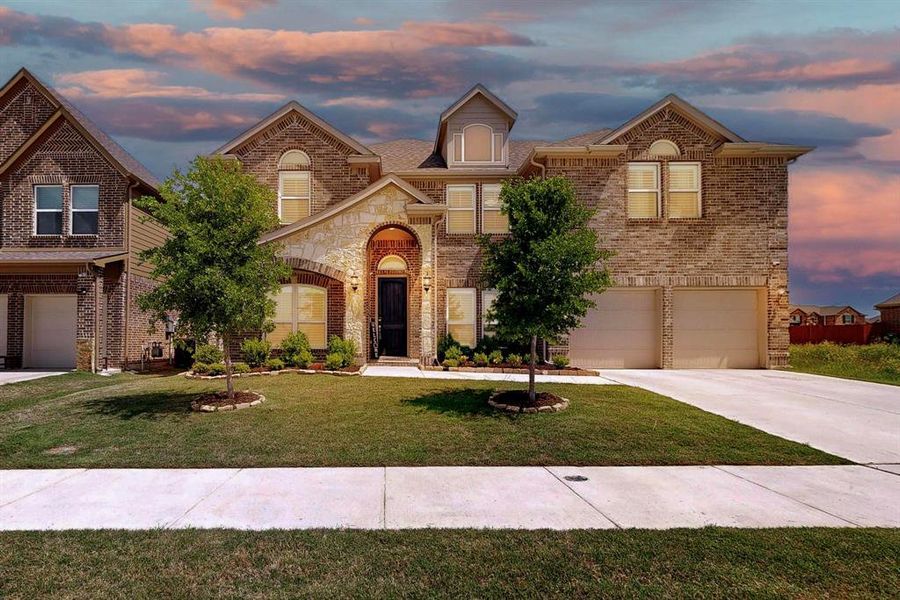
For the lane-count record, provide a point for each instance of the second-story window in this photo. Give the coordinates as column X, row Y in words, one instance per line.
column 643, row 190
column 848, row 319
column 478, row 144
column 48, row 209
column 492, row 218
column 85, row 209
column 460, row 209
column 684, row 190
column 294, row 186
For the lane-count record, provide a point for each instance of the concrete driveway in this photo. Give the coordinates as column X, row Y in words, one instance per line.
column 25, row 375
column 856, row 420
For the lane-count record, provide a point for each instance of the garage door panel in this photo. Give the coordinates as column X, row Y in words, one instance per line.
column 621, row 332
column 715, row 329
column 50, row 330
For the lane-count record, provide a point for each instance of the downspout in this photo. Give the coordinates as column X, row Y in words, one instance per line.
column 127, row 275
column 538, row 165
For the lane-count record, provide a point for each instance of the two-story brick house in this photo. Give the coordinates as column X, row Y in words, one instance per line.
column 382, row 239
column 69, row 237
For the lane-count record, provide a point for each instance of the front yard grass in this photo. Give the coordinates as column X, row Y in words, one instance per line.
column 324, row 420
column 879, row 363
column 699, row 563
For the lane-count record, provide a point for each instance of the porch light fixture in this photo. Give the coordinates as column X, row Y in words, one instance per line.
column 426, row 282
column 354, row 281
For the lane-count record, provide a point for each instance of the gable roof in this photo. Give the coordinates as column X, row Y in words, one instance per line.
column 311, row 220
column 892, row 302
column 695, row 114
column 109, row 148
column 417, row 157
column 476, row 90
column 292, row 106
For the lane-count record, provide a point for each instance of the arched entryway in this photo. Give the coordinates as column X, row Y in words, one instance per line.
column 393, row 293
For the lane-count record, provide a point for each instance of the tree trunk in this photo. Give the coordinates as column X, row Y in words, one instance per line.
column 531, row 367
column 229, row 383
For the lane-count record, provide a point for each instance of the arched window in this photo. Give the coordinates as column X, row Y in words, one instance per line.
column 294, row 187
column 392, row 262
column 294, row 159
column 664, row 149
column 477, row 144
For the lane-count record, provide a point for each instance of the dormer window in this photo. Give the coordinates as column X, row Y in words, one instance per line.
column 294, row 186
column 478, row 144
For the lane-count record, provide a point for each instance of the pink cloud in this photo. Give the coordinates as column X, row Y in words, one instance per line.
column 359, row 101
column 231, row 9
column 141, row 83
column 844, row 220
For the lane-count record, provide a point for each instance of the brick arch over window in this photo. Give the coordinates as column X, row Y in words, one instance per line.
column 399, row 240
column 304, row 264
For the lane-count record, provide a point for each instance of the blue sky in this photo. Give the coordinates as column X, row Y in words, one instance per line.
column 170, row 80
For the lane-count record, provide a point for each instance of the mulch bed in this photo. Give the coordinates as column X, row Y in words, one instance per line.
column 216, row 401
column 518, row 401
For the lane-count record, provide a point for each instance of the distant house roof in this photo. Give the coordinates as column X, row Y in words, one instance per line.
column 892, row 302
column 825, row 311
column 115, row 153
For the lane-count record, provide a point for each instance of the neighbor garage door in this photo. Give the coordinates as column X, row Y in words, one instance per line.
column 50, row 331
column 621, row 332
column 715, row 329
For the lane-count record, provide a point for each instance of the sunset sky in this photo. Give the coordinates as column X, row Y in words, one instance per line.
column 170, row 80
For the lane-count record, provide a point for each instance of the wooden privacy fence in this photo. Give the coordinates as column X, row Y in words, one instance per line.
column 839, row 334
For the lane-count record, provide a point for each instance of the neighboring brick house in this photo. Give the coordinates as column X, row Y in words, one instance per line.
column 890, row 314
column 382, row 239
column 69, row 237
column 810, row 314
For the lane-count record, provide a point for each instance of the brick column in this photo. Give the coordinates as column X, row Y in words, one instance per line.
column 667, row 328
column 89, row 281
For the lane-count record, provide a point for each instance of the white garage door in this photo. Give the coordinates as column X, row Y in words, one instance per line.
column 50, row 331
column 622, row 332
column 716, row 329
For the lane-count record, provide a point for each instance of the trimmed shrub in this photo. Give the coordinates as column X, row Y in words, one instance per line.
column 515, row 360
column 480, row 359
column 453, row 353
column 450, row 362
column 560, row 361
column 496, row 357
column 217, row 369
column 209, row 354
column 334, row 361
column 240, row 368
column 255, row 352
column 201, row 368
column 274, row 364
column 295, row 350
column 346, row 349
column 445, row 342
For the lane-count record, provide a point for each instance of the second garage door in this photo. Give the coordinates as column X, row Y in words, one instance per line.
column 50, row 329
column 716, row 329
column 622, row 332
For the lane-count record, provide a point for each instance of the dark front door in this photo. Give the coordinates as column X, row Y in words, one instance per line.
column 392, row 315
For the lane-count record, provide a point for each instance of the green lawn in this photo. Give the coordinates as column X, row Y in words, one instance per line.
column 323, row 420
column 876, row 362
column 700, row 563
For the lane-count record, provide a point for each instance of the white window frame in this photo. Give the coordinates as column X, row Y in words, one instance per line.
column 844, row 320
column 473, row 292
column 296, row 315
column 699, row 189
column 796, row 318
column 470, row 186
column 281, row 196
column 286, row 152
column 460, row 138
column 61, row 211
column 485, row 324
column 657, row 190
column 668, row 144
column 73, row 210
column 499, row 209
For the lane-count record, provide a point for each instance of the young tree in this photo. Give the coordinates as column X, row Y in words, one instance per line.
column 546, row 267
column 211, row 269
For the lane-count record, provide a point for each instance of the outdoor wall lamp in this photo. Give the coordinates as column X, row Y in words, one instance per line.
column 354, row 281
column 426, row 282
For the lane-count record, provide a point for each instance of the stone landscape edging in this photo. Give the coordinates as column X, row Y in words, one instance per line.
column 236, row 406
column 563, row 404
column 508, row 370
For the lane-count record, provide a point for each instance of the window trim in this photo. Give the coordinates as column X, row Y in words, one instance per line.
column 448, row 323
column 844, row 320
column 461, row 137
column 699, row 189
column 61, row 211
column 281, row 167
column 796, row 318
column 73, row 210
column 474, row 208
column 657, row 189
column 499, row 209
column 662, row 141
column 281, row 196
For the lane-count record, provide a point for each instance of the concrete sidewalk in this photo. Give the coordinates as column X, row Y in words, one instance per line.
column 453, row 497
column 15, row 376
